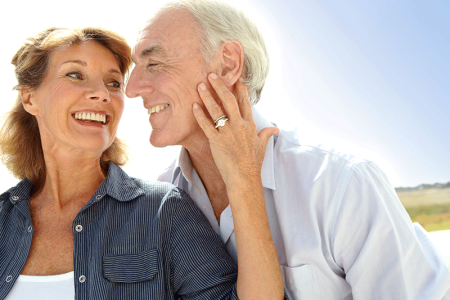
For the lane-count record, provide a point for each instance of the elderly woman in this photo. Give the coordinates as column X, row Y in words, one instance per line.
column 77, row 226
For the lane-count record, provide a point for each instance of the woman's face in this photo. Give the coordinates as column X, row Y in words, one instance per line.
column 80, row 101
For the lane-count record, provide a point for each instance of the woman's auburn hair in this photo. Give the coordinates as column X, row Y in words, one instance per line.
column 20, row 141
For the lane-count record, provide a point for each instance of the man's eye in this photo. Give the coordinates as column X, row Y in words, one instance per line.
column 152, row 65
column 75, row 75
column 115, row 84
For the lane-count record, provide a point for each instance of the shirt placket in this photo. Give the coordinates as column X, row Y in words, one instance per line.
column 81, row 257
column 25, row 229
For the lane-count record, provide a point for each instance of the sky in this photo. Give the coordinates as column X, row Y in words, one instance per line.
column 368, row 77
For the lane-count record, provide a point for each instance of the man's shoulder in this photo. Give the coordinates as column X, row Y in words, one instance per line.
column 318, row 168
column 291, row 147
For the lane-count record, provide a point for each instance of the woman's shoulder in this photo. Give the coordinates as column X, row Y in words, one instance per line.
column 149, row 193
column 155, row 187
column 20, row 191
column 165, row 192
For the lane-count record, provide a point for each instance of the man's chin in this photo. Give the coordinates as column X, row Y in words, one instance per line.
column 157, row 142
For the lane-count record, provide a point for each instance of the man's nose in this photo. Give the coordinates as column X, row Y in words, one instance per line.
column 138, row 84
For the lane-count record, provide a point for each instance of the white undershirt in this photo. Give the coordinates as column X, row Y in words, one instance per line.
column 59, row 287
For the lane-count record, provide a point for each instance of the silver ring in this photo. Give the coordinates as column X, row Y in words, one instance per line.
column 221, row 117
column 221, row 123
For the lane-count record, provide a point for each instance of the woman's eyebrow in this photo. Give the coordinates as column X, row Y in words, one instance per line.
column 83, row 63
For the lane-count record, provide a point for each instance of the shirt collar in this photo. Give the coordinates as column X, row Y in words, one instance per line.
column 117, row 184
column 184, row 162
column 19, row 192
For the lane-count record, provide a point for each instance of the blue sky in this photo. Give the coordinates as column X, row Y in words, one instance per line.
column 371, row 77
column 375, row 74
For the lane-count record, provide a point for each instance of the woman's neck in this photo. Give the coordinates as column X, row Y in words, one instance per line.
column 70, row 177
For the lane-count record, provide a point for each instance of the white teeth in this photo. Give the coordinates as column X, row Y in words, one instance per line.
column 157, row 108
column 90, row 117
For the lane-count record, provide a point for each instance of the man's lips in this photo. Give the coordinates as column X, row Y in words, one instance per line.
column 157, row 108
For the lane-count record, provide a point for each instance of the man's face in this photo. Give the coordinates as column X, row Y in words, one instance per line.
column 169, row 67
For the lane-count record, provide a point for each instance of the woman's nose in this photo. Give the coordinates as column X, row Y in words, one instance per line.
column 98, row 92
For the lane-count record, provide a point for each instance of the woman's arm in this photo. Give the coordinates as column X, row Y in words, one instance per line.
column 238, row 152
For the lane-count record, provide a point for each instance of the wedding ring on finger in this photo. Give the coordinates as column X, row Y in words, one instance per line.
column 221, row 117
column 220, row 121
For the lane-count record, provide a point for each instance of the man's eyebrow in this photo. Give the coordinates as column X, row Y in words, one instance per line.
column 153, row 50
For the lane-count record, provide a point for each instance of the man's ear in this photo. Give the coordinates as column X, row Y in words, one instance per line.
column 231, row 62
column 28, row 100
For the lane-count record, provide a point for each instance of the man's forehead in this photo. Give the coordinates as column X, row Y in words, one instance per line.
column 149, row 43
column 170, row 28
column 170, row 22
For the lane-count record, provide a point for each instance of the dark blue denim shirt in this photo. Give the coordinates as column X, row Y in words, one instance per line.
column 132, row 240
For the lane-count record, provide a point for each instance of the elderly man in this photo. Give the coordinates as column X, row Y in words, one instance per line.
column 338, row 226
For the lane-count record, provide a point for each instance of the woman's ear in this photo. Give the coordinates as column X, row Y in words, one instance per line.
column 28, row 100
column 231, row 62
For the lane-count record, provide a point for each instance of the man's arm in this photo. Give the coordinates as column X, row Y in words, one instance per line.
column 378, row 247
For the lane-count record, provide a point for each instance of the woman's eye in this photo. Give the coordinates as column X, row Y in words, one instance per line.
column 75, row 75
column 115, row 84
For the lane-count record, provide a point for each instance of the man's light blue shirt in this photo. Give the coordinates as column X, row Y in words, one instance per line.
column 338, row 226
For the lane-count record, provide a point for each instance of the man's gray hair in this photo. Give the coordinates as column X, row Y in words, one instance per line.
column 222, row 22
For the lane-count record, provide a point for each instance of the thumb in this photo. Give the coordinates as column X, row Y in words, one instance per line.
column 266, row 133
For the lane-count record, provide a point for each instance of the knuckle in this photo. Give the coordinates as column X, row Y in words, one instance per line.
column 216, row 110
column 204, row 123
column 241, row 127
column 229, row 98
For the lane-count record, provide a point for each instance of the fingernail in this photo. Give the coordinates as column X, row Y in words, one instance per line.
column 213, row 76
column 202, row 86
column 195, row 106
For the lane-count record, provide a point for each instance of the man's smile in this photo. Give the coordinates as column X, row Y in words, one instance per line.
column 157, row 108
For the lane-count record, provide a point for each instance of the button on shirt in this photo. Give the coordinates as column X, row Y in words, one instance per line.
column 338, row 226
column 132, row 240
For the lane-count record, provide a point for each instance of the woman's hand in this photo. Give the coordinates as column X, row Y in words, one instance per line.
column 238, row 149
column 238, row 152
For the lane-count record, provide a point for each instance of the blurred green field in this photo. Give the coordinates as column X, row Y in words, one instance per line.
column 429, row 207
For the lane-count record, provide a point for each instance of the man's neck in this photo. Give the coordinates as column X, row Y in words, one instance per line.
column 215, row 187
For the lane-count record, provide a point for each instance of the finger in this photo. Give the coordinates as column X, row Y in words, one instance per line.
column 211, row 105
column 205, row 124
column 229, row 102
column 266, row 133
column 245, row 106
